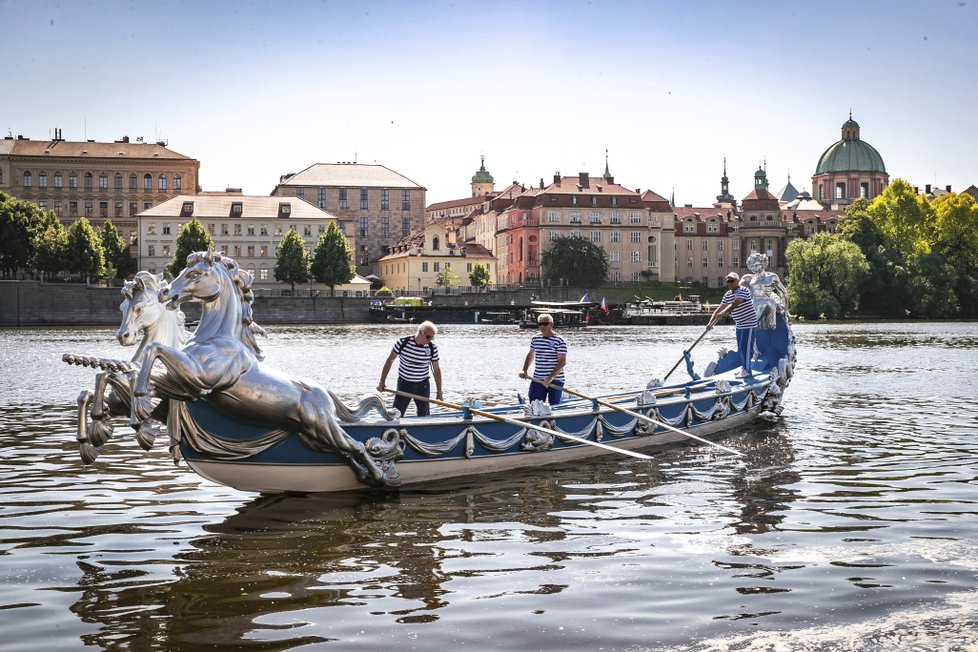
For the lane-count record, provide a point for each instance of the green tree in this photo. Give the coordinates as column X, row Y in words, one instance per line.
column 332, row 262
column 904, row 218
column 576, row 261
column 192, row 238
column 293, row 262
column 446, row 278
column 479, row 277
column 115, row 249
column 384, row 292
column 83, row 253
column 875, row 290
column 21, row 223
column 50, row 248
column 956, row 230
column 925, row 288
column 824, row 276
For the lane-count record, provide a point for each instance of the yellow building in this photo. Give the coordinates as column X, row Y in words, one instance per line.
column 416, row 262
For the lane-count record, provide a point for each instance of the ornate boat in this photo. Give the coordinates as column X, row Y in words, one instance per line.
column 237, row 422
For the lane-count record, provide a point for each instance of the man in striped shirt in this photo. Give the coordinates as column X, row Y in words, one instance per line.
column 416, row 354
column 738, row 302
column 550, row 353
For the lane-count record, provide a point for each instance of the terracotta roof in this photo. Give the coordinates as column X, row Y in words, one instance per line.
column 353, row 175
column 760, row 194
column 75, row 148
column 455, row 203
column 682, row 212
column 253, row 206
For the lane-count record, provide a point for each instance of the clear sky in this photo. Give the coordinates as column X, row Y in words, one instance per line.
column 254, row 90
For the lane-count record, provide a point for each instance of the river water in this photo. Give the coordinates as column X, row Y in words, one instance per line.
column 850, row 524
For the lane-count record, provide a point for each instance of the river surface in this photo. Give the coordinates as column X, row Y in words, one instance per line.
column 850, row 524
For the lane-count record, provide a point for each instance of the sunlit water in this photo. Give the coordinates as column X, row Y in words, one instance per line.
column 851, row 524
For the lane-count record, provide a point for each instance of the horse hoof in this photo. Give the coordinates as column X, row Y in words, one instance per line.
column 88, row 453
column 99, row 432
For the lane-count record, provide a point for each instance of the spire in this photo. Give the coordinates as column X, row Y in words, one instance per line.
column 607, row 174
column 725, row 196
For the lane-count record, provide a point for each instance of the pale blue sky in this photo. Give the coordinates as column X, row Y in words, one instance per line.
column 257, row 89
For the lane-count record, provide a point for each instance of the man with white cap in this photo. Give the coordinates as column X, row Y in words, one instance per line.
column 737, row 301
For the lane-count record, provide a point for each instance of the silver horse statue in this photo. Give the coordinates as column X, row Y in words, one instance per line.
column 142, row 314
column 223, row 363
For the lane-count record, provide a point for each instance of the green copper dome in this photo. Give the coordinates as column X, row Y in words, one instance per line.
column 850, row 156
column 482, row 176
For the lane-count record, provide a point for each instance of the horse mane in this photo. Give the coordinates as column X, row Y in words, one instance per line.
column 242, row 280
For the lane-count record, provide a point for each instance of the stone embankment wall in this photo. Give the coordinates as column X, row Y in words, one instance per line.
column 29, row 303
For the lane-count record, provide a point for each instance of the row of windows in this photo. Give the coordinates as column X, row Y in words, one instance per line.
column 594, row 217
column 88, row 180
column 436, row 266
column 89, row 208
column 343, row 200
column 735, row 244
column 595, row 236
column 734, row 262
column 582, row 201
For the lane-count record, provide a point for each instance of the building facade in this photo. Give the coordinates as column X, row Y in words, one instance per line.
column 414, row 264
column 247, row 228
column 850, row 168
column 99, row 181
column 376, row 207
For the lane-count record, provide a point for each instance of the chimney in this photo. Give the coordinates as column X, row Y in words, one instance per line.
column 541, row 183
column 948, row 188
column 557, row 178
column 583, row 177
column 927, row 189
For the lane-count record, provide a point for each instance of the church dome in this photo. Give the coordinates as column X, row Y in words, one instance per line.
column 482, row 176
column 851, row 154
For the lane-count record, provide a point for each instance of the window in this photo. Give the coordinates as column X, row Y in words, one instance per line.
column 162, row 182
column 210, row 228
column 553, row 216
column 224, row 229
column 720, row 262
column 103, row 209
column 424, row 267
column 28, row 179
column 278, row 229
column 237, row 251
column 364, row 224
column 616, row 236
column 468, row 267
column 147, row 181
column 616, row 218
column 436, row 266
column 595, row 218
column 689, row 262
column 251, row 251
column 151, row 250
column 636, row 256
column 166, row 250
column 636, row 218
column 689, row 226
column 864, row 190
column 321, row 197
column 300, row 193
column 89, row 209
column 263, row 250
column 595, row 236
column 132, row 181
column 689, row 244
column 712, row 227
column 615, row 256
column 263, row 274
column 237, row 228
column 103, row 181
column 614, row 201
column 574, row 200
column 72, row 180
column 616, row 277
column 251, row 230
column 177, row 182
column 117, row 181
column 735, row 245
column 735, row 262
column 43, row 205
column 133, row 209
column 42, row 179
column 553, row 236
column 73, row 209
column 635, row 236
column 385, row 227
column 343, row 204
column 188, row 208
column 405, row 200
column 706, row 261
column 57, row 207
column 405, row 226
column 58, row 180
column 88, row 181
column 575, row 218
column 840, row 190
column 594, row 201
column 363, row 199
column 237, row 209
column 263, row 229
column 719, row 245
column 706, row 245
column 166, row 229
column 118, row 209
column 435, row 244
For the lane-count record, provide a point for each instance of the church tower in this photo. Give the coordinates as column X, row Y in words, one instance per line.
column 482, row 182
column 725, row 197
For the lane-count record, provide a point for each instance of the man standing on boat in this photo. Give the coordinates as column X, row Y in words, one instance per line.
column 737, row 301
column 549, row 350
column 416, row 354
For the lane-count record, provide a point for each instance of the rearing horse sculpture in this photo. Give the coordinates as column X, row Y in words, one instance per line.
column 222, row 362
column 142, row 314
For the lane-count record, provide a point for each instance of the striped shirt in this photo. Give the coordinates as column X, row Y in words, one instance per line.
column 545, row 353
column 413, row 360
column 743, row 315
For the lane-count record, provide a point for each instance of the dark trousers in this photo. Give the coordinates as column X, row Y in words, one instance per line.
column 745, row 346
column 421, row 389
column 552, row 394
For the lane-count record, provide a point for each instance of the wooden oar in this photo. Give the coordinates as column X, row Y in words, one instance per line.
column 680, row 361
column 639, row 415
column 522, row 424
